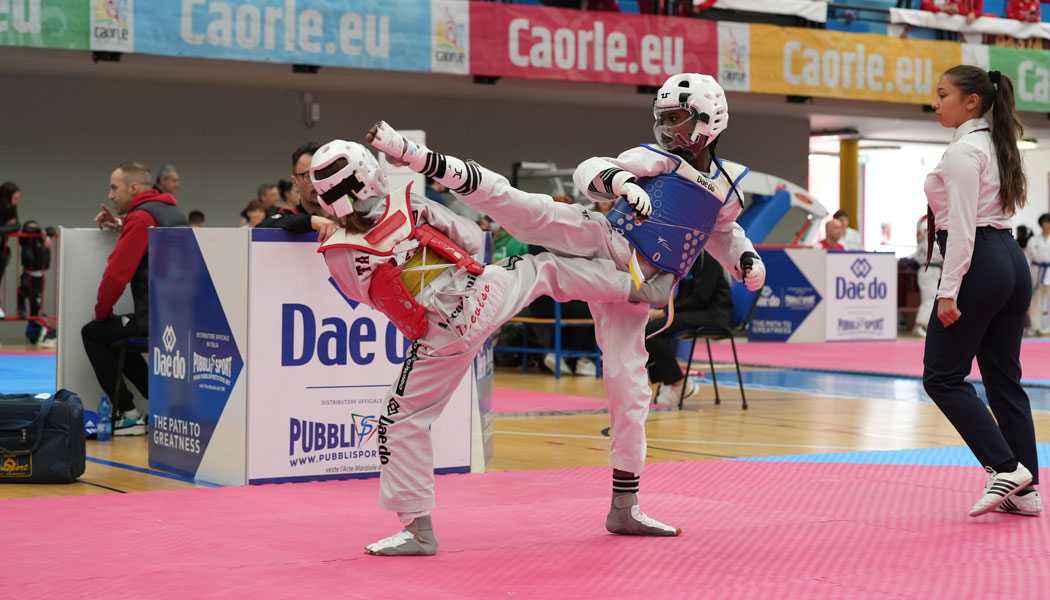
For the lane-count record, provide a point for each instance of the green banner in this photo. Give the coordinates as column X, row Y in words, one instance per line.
column 1030, row 70
column 45, row 23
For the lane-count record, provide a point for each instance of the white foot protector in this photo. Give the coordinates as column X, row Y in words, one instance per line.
column 416, row 539
column 626, row 518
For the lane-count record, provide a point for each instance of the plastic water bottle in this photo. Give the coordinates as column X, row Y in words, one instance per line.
column 105, row 420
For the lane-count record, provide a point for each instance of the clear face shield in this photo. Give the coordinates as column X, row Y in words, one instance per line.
column 674, row 129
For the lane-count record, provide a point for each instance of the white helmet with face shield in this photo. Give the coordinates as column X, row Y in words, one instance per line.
column 344, row 172
column 704, row 100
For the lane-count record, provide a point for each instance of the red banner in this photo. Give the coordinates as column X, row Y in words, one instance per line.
column 608, row 47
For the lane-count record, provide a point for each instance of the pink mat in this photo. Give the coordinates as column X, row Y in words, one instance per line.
column 525, row 402
column 901, row 357
column 752, row 530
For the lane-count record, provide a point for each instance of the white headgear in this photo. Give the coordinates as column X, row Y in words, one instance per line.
column 343, row 172
column 700, row 95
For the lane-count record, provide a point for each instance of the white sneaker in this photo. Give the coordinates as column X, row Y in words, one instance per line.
column 548, row 361
column 669, row 395
column 1029, row 505
column 919, row 331
column 585, row 367
column 2, row 314
column 1001, row 487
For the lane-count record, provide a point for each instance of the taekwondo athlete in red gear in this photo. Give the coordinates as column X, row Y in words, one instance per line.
column 416, row 261
column 704, row 215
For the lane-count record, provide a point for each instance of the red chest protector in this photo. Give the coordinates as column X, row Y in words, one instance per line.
column 387, row 290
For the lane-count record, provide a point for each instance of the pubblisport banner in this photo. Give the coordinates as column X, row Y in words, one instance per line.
column 544, row 43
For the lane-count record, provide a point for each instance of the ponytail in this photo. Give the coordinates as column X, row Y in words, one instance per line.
column 996, row 92
column 1006, row 130
column 358, row 223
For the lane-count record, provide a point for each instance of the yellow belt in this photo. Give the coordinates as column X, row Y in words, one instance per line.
column 415, row 281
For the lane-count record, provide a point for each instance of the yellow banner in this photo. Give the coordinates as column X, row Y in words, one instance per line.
column 810, row 62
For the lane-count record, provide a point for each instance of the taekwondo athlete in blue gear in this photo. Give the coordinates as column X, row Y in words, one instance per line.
column 685, row 128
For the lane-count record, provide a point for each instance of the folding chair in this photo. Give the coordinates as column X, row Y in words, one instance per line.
column 717, row 333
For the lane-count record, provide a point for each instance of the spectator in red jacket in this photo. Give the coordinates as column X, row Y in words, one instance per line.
column 833, row 232
column 1023, row 10
column 138, row 207
column 971, row 9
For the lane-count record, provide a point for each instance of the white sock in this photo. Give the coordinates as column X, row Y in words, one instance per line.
column 131, row 414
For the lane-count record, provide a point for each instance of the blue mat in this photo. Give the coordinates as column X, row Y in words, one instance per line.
column 953, row 456
column 27, row 374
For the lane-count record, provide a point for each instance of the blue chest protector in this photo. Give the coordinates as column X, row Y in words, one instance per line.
column 685, row 205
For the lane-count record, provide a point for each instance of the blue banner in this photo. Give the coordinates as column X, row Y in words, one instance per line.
column 393, row 35
column 194, row 359
column 784, row 302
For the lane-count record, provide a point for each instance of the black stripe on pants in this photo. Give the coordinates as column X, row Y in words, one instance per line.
column 993, row 300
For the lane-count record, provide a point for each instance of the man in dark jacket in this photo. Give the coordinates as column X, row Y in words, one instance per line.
column 138, row 207
column 703, row 300
column 308, row 215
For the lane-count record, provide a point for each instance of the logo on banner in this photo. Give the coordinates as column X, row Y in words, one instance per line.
column 167, row 364
column 312, row 442
column 451, row 41
column 111, row 25
column 857, row 290
column 861, row 267
column 734, row 56
column 333, row 341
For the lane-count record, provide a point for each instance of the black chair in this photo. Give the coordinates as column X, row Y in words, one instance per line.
column 717, row 333
column 133, row 344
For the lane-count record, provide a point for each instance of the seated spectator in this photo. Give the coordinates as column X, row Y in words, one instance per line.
column 307, row 215
column 269, row 198
column 141, row 208
column 289, row 195
column 971, row 9
column 703, row 300
column 196, row 218
column 850, row 237
column 167, row 180
column 36, row 258
column 255, row 212
column 832, row 235
column 1023, row 10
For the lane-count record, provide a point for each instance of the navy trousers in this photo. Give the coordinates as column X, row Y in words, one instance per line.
column 993, row 300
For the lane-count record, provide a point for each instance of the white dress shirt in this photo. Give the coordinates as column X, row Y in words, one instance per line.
column 851, row 240
column 963, row 191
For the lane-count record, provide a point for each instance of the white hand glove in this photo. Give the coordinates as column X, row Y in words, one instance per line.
column 637, row 199
column 389, row 141
column 754, row 271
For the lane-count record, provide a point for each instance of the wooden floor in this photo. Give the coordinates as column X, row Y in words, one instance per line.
column 776, row 423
